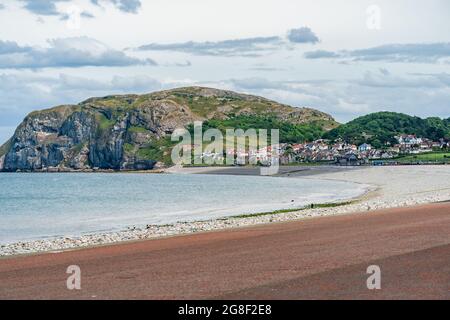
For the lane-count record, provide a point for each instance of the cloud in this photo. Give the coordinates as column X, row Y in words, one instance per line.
column 86, row 14
column 129, row 6
column 42, row 7
column 415, row 94
column 384, row 79
column 187, row 63
column 404, row 52
column 255, row 83
column 245, row 47
column 23, row 93
column 302, row 35
column 2, row 6
column 320, row 54
column 316, row 94
column 248, row 47
column 8, row 47
column 408, row 53
column 49, row 7
column 67, row 84
column 82, row 14
column 65, row 52
column 385, row 71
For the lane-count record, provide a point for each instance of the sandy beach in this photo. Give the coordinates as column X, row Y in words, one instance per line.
column 390, row 187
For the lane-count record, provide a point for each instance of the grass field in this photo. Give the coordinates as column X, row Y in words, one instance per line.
column 426, row 157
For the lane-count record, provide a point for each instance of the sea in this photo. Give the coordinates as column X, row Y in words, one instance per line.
column 46, row 205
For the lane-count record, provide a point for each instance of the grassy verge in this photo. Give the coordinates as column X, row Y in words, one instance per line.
column 308, row 164
column 311, row 206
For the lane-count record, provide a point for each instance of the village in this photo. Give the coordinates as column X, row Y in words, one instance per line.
column 338, row 152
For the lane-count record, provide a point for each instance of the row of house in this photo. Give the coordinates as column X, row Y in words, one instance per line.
column 410, row 144
column 322, row 150
column 342, row 152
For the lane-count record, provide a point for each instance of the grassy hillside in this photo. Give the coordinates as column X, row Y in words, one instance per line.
column 289, row 132
column 381, row 127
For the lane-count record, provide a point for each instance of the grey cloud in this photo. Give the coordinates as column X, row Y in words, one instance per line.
column 117, row 84
column 384, row 79
column 67, row 52
column 7, row 47
column 48, row 8
column 139, row 84
column 384, row 71
column 246, row 47
column 404, row 52
column 443, row 77
column 42, row 7
column 266, row 68
column 320, row 54
column 20, row 94
column 23, row 93
column 130, row 6
column 86, row 14
column 249, row 47
column 410, row 53
column 2, row 6
column 302, row 35
column 296, row 93
column 83, row 14
column 187, row 63
column 419, row 94
column 416, row 94
column 256, row 83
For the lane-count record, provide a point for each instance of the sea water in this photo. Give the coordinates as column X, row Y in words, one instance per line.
column 39, row 205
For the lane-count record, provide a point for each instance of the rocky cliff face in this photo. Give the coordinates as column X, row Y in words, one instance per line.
column 128, row 132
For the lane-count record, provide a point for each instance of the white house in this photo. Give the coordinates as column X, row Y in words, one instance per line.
column 364, row 147
column 409, row 139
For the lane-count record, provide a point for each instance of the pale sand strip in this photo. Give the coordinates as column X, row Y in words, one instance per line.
column 393, row 187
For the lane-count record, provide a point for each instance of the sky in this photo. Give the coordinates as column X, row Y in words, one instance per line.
column 346, row 58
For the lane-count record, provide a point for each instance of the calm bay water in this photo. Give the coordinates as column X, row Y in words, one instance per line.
column 34, row 206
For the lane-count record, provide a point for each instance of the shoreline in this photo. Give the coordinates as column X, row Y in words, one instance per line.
column 373, row 199
column 152, row 232
column 133, row 235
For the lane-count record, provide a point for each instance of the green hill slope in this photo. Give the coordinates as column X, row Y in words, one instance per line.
column 381, row 127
